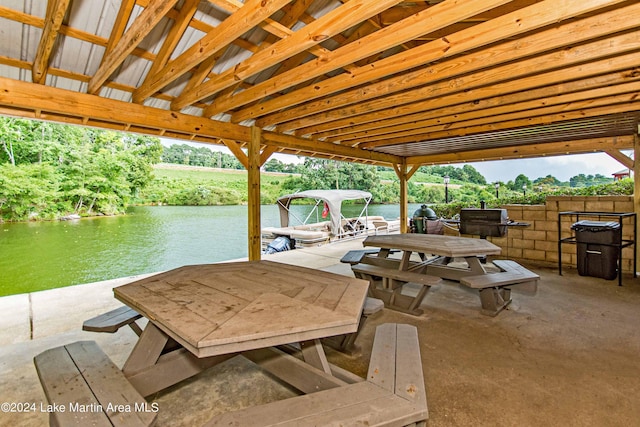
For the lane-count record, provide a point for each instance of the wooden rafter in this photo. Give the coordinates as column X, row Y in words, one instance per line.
column 56, row 11
column 63, row 105
column 527, row 151
column 474, row 38
column 181, row 23
column 517, row 80
column 385, row 82
column 146, row 22
column 439, row 16
column 124, row 13
column 204, row 68
column 251, row 14
column 525, row 111
column 514, row 122
column 295, row 42
column 293, row 12
column 526, row 101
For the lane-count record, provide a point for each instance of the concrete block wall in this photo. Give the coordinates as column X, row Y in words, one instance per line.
column 538, row 242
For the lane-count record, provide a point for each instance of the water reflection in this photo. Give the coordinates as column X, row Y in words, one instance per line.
column 45, row 255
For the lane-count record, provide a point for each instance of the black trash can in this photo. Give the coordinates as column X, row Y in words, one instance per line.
column 598, row 248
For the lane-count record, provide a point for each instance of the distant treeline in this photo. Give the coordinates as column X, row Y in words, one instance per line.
column 184, row 154
column 48, row 171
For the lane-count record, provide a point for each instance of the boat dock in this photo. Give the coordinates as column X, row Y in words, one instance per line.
column 566, row 356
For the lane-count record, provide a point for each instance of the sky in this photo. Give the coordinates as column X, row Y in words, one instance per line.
column 562, row 167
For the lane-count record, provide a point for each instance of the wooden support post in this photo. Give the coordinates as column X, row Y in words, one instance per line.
column 404, row 208
column 253, row 175
column 404, row 175
column 636, row 182
column 401, row 172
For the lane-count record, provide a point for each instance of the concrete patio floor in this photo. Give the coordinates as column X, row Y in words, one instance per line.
column 567, row 356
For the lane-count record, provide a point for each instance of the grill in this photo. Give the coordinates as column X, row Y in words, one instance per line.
column 484, row 222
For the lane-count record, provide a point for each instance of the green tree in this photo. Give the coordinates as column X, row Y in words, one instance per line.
column 274, row 165
column 520, row 182
column 330, row 174
column 583, row 180
column 471, row 175
column 79, row 169
column 547, row 180
column 28, row 191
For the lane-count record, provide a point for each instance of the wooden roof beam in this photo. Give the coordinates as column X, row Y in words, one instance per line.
column 293, row 12
column 397, row 13
column 66, row 105
column 19, row 94
column 178, row 28
column 526, row 112
column 317, row 51
column 65, row 30
column 56, row 11
column 510, row 123
column 501, row 80
column 311, row 35
column 276, row 30
column 248, row 16
column 618, row 155
column 146, row 22
column 269, row 25
column 291, row 142
column 119, row 26
column 604, row 85
column 438, row 16
column 527, row 151
column 78, row 77
column 536, row 16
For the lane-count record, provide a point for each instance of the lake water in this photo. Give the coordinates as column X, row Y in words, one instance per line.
column 45, row 255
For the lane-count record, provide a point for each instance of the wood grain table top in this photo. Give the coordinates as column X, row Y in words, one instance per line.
column 223, row 308
column 436, row 244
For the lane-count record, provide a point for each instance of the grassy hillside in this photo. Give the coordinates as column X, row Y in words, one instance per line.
column 198, row 173
column 194, row 185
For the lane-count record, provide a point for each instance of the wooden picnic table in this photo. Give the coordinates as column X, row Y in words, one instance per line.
column 200, row 315
column 395, row 273
column 494, row 288
column 445, row 247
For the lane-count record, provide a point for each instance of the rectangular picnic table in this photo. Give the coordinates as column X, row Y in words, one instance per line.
column 201, row 315
column 395, row 273
column 445, row 247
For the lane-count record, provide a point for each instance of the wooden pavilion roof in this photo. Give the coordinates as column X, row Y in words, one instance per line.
column 374, row 81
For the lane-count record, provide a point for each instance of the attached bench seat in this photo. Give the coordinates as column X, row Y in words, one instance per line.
column 393, row 393
column 495, row 288
column 113, row 320
column 355, row 256
column 81, row 378
column 511, row 273
column 394, row 274
column 386, row 283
